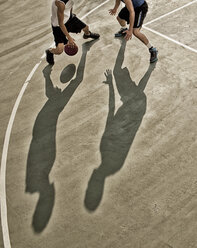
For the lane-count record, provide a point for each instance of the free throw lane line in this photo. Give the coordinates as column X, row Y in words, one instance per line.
column 170, row 39
column 169, row 13
column 165, row 36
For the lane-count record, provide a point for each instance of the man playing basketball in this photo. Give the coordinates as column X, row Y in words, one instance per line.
column 63, row 22
column 133, row 14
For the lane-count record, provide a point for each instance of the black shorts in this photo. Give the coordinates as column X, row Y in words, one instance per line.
column 73, row 25
column 140, row 14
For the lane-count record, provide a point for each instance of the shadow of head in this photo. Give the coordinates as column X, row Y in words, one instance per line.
column 67, row 73
column 126, row 87
column 44, row 208
column 94, row 190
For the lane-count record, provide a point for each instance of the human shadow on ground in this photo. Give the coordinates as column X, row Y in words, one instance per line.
column 42, row 151
column 121, row 127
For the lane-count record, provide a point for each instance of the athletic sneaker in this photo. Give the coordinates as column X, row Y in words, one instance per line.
column 153, row 54
column 91, row 35
column 120, row 32
column 49, row 57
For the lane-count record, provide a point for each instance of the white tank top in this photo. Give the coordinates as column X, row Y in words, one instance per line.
column 68, row 7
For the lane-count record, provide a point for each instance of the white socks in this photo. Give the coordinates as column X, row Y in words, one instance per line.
column 123, row 27
column 149, row 45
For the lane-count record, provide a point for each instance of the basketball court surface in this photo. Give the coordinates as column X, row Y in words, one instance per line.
column 98, row 151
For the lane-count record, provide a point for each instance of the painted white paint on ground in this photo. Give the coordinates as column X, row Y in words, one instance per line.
column 5, row 230
column 94, row 9
column 170, row 39
column 171, row 12
column 32, row 72
column 3, row 204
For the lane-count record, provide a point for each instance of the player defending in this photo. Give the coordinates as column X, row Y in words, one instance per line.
column 63, row 22
column 133, row 14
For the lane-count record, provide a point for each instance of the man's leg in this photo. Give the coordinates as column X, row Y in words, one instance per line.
column 123, row 19
column 123, row 28
column 50, row 52
column 86, row 30
column 58, row 50
column 89, row 34
column 140, row 36
column 121, row 22
column 75, row 25
column 153, row 51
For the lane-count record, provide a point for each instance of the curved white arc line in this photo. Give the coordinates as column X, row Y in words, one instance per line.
column 5, row 230
column 169, row 13
column 3, row 204
column 175, row 41
column 4, row 222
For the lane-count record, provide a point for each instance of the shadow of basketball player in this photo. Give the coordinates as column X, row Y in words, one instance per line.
column 42, row 151
column 121, row 127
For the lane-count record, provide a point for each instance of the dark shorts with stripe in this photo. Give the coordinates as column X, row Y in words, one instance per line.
column 73, row 25
column 140, row 14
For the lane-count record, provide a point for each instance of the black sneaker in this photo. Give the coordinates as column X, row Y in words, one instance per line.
column 153, row 54
column 91, row 35
column 49, row 57
column 121, row 33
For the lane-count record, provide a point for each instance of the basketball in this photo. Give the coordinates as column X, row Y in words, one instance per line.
column 70, row 50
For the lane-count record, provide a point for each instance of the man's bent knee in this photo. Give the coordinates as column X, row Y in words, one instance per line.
column 119, row 19
column 136, row 32
column 86, row 28
column 60, row 49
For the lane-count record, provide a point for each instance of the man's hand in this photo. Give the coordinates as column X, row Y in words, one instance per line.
column 71, row 42
column 108, row 75
column 128, row 35
column 112, row 11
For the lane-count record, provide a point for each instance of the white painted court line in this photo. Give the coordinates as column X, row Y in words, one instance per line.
column 169, row 13
column 94, row 9
column 3, row 203
column 165, row 36
column 168, row 38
